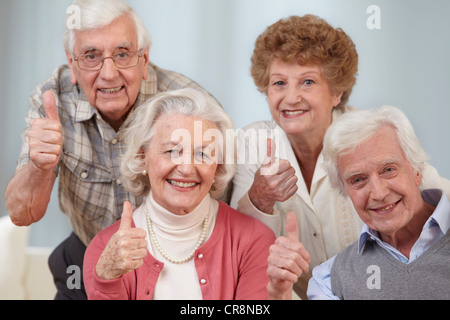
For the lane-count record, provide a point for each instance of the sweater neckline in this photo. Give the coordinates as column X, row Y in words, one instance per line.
column 188, row 227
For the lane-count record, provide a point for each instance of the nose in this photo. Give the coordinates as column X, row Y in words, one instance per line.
column 186, row 166
column 379, row 188
column 109, row 70
column 293, row 95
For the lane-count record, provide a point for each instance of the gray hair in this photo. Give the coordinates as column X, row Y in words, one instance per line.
column 355, row 127
column 95, row 14
column 140, row 131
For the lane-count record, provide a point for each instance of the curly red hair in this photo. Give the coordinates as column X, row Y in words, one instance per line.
column 307, row 40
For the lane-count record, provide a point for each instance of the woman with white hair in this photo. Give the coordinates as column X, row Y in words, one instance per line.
column 181, row 243
column 73, row 128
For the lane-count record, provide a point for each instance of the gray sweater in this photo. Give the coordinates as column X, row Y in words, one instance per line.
column 375, row 274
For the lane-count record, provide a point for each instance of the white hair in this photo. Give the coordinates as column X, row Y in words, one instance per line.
column 355, row 127
column 95, row 14
column 140, row 129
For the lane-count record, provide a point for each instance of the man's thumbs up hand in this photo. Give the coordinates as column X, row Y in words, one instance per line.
column 50, row 108
column 45, row 136
column 126, row 249
column 288, row 259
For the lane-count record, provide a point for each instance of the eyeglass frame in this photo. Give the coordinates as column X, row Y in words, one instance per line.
column 77, row 59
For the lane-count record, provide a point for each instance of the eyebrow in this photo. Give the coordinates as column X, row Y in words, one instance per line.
column 383, row 164
column 299, row 75
column 351, row 175
column 88, row 49
column 123, row 45
column 169, row 143
column 205, row 144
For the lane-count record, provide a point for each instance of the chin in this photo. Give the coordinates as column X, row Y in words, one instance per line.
column 113, row 111
column 183, row 207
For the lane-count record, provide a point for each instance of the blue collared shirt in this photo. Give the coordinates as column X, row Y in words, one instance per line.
column 436, row 227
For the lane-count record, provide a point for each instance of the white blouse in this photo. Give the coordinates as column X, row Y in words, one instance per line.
column 177, row 235
column 327, row 221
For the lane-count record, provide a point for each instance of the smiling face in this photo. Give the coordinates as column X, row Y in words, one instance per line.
column 381, row 183
column 299, row 98
column 111, row 90
column 181, row 170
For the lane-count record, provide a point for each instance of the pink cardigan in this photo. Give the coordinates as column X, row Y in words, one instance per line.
column 231, row 265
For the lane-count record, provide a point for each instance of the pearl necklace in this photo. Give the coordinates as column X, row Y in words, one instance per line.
column 161, row 250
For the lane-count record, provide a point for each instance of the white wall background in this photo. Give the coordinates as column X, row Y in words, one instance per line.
column 406, row 63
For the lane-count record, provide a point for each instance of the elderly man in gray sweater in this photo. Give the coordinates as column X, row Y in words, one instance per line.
column 403, row 251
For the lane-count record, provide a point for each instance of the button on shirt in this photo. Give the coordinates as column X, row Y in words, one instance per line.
column 90, row 191
column 434, row 229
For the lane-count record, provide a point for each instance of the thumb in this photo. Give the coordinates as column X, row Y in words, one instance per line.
column 50, row 106
column 271, row 147
column 268, row 169
column 292, row 226
column 127, row 216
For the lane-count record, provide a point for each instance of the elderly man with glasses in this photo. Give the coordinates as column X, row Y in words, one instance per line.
column 73, row 129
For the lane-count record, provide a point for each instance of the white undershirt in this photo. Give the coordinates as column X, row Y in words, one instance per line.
column 177, row 235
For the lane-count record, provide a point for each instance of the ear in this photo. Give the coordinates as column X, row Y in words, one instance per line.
column 141, row 154
column 418, row 178
column 71, row 61
column 219, row 166
column 146, row 62
column 337, row 99
column 143, row 160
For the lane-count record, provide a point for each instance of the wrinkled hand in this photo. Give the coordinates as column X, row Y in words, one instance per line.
column 126, row 249
column 45, row 136
column 274, row 181
column 287, row 260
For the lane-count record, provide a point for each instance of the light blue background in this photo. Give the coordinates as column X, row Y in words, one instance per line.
column 406, row 63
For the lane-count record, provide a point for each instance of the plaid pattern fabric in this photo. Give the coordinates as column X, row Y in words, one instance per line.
column 90, row 192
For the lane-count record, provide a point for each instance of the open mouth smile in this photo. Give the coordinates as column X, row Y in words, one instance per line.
column 293, row 112
column 111, row 90
column 182, row 184
column 386, row 209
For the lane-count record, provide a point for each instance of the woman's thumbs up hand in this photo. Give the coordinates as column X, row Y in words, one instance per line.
column 126, row 249
column 287, row 260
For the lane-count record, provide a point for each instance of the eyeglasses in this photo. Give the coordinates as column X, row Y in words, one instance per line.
column 122, row 60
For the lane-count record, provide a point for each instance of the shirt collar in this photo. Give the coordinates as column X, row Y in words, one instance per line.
column 365, row 235
column 440, row 216
column 84, row 109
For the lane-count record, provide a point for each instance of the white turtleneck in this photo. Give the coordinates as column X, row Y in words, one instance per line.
column 177, row 235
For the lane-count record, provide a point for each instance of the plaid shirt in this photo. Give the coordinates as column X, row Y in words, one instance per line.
column 90, row 191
